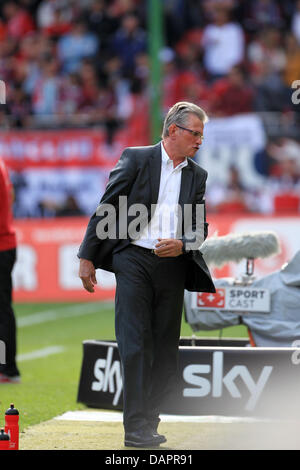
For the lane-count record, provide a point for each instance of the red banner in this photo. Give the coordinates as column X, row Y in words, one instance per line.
column 47, row 264
column 51, row 148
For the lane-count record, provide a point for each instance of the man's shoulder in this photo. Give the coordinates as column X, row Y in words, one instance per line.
column 143, row 148
column 197, row 168
column 141, row 152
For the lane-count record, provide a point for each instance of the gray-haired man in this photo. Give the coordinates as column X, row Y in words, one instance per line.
column 152, row 267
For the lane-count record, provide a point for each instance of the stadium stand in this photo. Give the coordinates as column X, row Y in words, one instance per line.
column 84, row 64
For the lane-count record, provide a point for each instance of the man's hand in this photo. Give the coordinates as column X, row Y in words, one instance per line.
column 87, row 274
column 168, row 247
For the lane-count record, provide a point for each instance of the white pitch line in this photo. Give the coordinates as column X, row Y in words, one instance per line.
column 114, row 416
column 65, row 312
column 38, row 353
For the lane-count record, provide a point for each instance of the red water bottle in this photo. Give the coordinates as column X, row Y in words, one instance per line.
column 12, row 427
column 4, row 440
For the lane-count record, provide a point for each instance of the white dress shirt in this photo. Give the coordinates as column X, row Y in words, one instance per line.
column 165, row 219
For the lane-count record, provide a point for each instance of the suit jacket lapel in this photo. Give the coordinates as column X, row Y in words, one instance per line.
column 185, row 189
column 186, row 185
column 155, row 169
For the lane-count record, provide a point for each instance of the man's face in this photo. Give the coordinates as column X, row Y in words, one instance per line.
column 188, row 144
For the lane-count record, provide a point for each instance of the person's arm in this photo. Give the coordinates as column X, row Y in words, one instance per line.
column 169, row 247
column 119, row 184
column 87, row 274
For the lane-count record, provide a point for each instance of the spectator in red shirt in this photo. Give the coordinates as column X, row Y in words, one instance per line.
column 232, row 95
column 59, row 26
column 3, row 30
column 19, row 21
column 9, row 372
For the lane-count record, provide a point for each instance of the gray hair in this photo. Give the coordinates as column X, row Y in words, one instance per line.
column 178, row 114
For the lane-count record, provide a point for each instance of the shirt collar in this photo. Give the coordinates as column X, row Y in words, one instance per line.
column 167, row 160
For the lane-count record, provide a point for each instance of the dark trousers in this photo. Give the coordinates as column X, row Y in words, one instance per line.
column 149, row 302
column 7, row 317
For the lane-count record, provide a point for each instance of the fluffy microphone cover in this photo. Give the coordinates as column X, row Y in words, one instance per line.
column 236, row 247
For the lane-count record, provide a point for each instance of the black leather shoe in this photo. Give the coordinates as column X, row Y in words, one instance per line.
column 141, row 439
column 159, row 436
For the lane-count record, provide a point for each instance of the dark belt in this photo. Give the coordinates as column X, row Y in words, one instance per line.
column 149, row 251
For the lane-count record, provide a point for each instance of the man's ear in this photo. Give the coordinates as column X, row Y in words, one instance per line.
column 172, row 129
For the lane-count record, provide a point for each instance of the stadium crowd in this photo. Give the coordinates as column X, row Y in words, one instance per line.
column 85, row 63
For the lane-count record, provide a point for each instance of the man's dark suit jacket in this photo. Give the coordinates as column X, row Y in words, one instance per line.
column 137, row 176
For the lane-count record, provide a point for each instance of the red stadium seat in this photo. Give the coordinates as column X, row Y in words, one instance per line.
column 234, row 207
column 287, row 202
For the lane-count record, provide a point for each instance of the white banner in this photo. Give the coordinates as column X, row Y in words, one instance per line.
column 232, row 141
